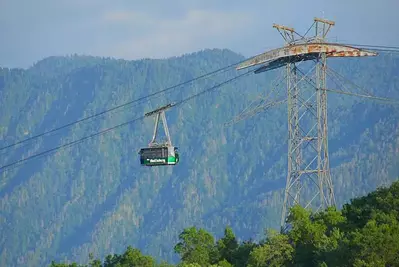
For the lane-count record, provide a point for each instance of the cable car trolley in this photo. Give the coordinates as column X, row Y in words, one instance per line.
column 159, row 153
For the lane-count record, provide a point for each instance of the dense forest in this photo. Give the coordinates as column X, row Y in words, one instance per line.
column 364, row 233
column 95, row 199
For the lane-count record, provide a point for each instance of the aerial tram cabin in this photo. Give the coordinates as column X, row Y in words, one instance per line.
column 159, row 153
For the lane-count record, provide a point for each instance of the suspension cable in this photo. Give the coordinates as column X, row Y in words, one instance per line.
column 122, row 105
column 181, row 102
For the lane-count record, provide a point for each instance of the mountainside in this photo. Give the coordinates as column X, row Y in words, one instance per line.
column 95, row 197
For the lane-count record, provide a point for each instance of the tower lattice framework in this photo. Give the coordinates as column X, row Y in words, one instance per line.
column 308, row 161
column 308, row 181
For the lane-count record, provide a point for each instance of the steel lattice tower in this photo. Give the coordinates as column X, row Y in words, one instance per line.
column 307, row 128
column 308, row 181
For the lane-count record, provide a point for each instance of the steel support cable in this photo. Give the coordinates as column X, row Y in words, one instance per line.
column 367, row 95
column 21, row 161
column 342, row 77
column 308, row 30
column 210, row 89
column 276, row 82
column 394, row 51
column 385, row 99
column 377, row 46
column 259, row 107
column 123, row 105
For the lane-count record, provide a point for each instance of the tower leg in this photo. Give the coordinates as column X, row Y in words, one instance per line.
column 327, row 197
column 293, row 185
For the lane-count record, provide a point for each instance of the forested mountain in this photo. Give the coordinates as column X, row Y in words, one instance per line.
column 94, row 197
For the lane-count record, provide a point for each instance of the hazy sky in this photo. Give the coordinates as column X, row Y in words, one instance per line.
column 31, row 30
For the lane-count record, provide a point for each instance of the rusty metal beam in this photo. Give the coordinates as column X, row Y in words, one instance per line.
column 282, row 27
column 330, row 22
column 331, row 50
column 286, row 32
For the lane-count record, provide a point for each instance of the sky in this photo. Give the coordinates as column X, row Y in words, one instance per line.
column 31, row 30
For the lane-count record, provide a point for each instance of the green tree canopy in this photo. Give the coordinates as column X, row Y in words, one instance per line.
column 365, row 233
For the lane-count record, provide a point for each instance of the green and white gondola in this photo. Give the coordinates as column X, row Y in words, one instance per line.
column 154, row 156
column 163, row 153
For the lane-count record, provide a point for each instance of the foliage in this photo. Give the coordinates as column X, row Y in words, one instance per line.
column 326, row 238
column 196, row 246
